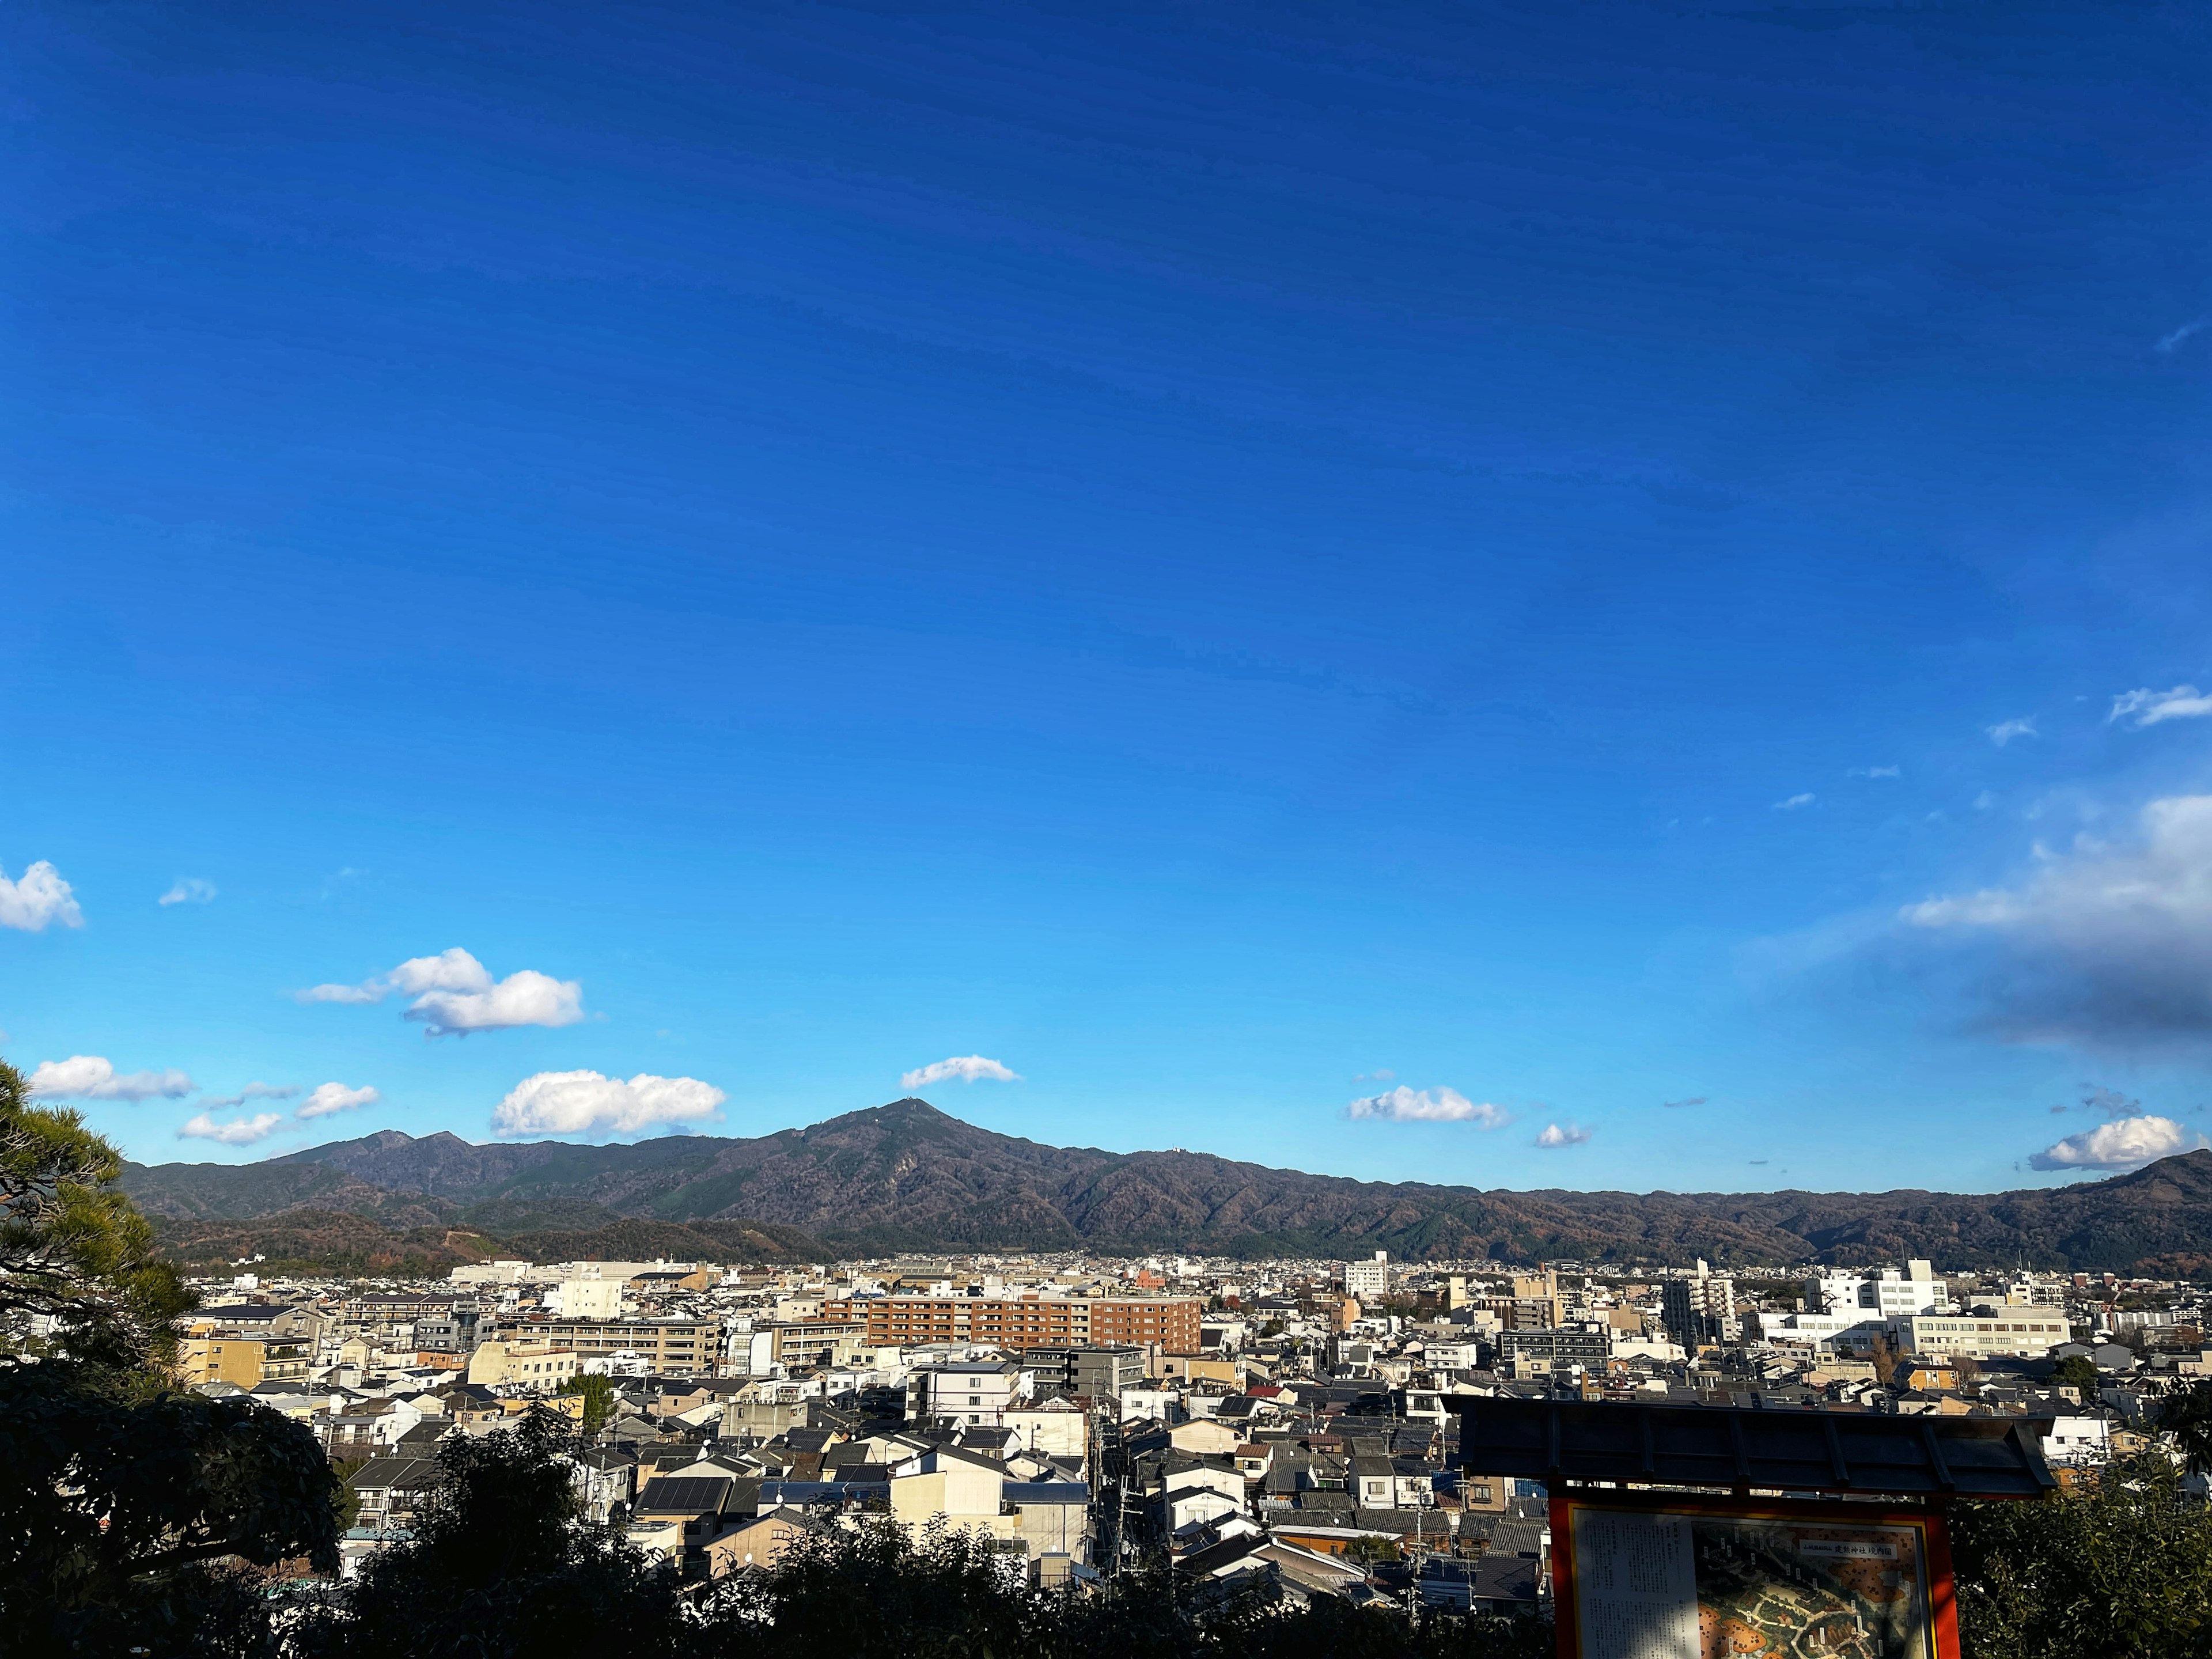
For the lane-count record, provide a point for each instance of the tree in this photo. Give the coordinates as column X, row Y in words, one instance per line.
column 2186, row 1414
column 1885, row 1359
column 2078, row 1372
column 502, row 1559
column 2123, row 1571
column 76, row 1256
column 118, row 1494
column 599, row 1395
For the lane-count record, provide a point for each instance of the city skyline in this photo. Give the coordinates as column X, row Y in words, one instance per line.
column 1447, row 597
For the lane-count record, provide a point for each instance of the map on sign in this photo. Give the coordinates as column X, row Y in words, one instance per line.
column 1655, row 1584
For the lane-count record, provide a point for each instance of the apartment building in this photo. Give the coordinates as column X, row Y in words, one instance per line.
column 206, row 1356
column 1028, row 1322
column 666, row 1345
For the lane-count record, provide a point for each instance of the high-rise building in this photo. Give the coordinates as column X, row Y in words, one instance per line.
column 1699, row 1310
column 1371, row 1280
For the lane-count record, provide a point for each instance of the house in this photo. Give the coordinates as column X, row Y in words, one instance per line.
column 1057, row 1427
column 387, row 1489
column 680, row 1514
column 966, row 1489
column 757, row 1542
column 1487, row 1583
column 1052, row 1517
column 1206, row 1436
column 1194, row 1490
column 974, row 1392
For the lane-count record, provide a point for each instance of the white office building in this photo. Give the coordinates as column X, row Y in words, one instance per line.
column 1369, row 1279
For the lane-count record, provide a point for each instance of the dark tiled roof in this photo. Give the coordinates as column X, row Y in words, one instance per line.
column 1046, row 1492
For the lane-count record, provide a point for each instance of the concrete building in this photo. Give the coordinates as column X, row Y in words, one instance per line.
column 219, row 1356
column 2031, row 1332
column 1027, row 1321
column 682, row 1346
column 975, row 1392
column 588, row 1298
column 1369, row 1279
column 1699, row 1310
column 1097, row 1374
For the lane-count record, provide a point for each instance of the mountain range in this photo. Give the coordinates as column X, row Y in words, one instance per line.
column 908, row 1177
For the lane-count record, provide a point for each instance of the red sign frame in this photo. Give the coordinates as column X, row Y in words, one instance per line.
column 1935, row 1543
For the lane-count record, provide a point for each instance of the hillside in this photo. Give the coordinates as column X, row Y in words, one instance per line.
column 906, row 1176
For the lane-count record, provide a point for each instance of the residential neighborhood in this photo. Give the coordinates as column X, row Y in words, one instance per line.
column 1295, row 1423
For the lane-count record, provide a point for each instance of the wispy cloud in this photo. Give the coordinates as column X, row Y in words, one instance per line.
column 238, row 1132
column 253, row 1091
column 36, row 898
column 188, row 890
column 1676, row 1105
column 963, row 1068
column 2145, row 706
column 2005, row 731
column 1875, row 772
column 329, row 1098
column 2168, row 341
column 2125, row 1143
column 2106, row 943
column 579, row 1102
column 455, row 994
column 1794, row 803
column 90, row 1077
column 1405, row 1105
column 1553, row 1134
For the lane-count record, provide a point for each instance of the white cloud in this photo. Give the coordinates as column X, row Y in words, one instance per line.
column 1983, row 801
column 967, row 1068
column 2168, row 341
column 330, row 1098
column 2104, row 942
column 2005, row 731
column 188, row 890
column 1405, row 1105
column 88, row 1077
column 2126, row 1143
column 1875, row 772
column 1794, row 803
column 453, row 992
column 238, row 1132
column 2145, row 706
column 1553, row 1136
column 253, row 1091
column 373, row 991
column 575, row 1103
column 38, row 897
column 1675, row 1105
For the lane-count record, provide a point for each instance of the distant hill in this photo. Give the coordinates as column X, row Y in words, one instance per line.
column 906, row 1176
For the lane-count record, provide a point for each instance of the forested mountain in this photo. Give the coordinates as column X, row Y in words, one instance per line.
column 905, row 1177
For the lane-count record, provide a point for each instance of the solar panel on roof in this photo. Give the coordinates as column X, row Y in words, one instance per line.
column 691, row 1494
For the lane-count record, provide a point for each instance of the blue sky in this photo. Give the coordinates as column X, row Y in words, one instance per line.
column 1230, row 561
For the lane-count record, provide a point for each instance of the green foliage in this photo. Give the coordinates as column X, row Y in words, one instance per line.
column 2186, row 1414
column 2121, row 1571
column 877, row 1594
column 2078, row 1372
column 502, row 1560
column 115, row 1492
column 599, row 1395
column 73, row 1250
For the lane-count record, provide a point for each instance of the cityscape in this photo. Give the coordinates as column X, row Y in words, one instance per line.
column 1004, row 831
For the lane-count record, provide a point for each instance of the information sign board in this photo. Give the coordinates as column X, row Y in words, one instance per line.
column 1648, row 1576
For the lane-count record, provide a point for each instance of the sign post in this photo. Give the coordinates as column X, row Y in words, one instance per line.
column 1658, row 1575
